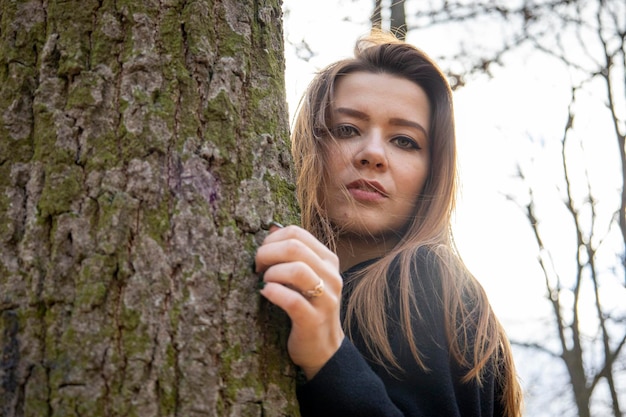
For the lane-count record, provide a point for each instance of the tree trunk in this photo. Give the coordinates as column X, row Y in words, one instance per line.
column 398, row 19
column 376, row 19
column 143, row 148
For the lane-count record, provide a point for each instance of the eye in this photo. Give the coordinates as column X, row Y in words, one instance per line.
column 345, row 131
column 406, row 142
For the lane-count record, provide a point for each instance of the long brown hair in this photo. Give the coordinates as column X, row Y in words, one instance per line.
column 428, row 229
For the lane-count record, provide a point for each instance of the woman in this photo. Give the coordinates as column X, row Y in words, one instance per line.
column 386, row 319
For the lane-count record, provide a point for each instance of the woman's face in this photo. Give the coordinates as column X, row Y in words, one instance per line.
column 380, row 160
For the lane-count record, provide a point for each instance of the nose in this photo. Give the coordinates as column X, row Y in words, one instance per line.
column 371, row 154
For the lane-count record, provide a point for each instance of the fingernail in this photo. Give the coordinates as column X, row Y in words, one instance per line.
column 273, row 223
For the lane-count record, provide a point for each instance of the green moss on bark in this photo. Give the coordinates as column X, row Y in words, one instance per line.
column 63, row 186
column 121, row 95
column 157, row 223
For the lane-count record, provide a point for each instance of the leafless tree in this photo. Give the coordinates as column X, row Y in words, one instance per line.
column 588, row 39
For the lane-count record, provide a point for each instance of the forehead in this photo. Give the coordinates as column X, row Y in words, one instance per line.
column 384, row 95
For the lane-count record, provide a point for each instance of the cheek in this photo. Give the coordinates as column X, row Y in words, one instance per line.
column 413, row 179
column 420, row 189
column 338, row 153
column 338, row 161
column 331, row 182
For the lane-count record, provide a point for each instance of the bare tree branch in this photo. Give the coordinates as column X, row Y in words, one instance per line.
column 536, row 346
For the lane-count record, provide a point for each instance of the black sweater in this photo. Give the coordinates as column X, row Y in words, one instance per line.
column 352, row 384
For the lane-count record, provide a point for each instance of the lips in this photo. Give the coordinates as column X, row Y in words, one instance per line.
column 367, row 190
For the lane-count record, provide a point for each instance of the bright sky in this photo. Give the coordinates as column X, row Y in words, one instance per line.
column 495, row 119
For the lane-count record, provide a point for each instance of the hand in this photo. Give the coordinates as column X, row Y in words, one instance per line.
column 293, row 261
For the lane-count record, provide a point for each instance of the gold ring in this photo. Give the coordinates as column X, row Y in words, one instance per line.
column 315, row 292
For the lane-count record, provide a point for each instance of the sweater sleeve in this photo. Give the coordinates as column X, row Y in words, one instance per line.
column 351, row 383
column 346, row 386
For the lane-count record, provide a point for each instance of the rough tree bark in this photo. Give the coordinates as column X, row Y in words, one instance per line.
column 143, row 148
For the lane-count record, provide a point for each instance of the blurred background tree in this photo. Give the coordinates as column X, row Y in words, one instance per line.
column 587, row 39
column 566, row 183
column 395, row 17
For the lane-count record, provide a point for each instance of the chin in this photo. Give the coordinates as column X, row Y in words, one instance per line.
column 368, row 229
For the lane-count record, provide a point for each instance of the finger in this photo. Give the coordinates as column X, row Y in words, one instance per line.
column 298, row 265
column 298, row 233
column 289, row 250
column 301, row 278
column 293, row 303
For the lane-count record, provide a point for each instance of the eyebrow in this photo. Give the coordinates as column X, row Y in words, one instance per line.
column 397, row 121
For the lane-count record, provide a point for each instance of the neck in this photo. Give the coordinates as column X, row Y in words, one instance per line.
column 352, row 250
